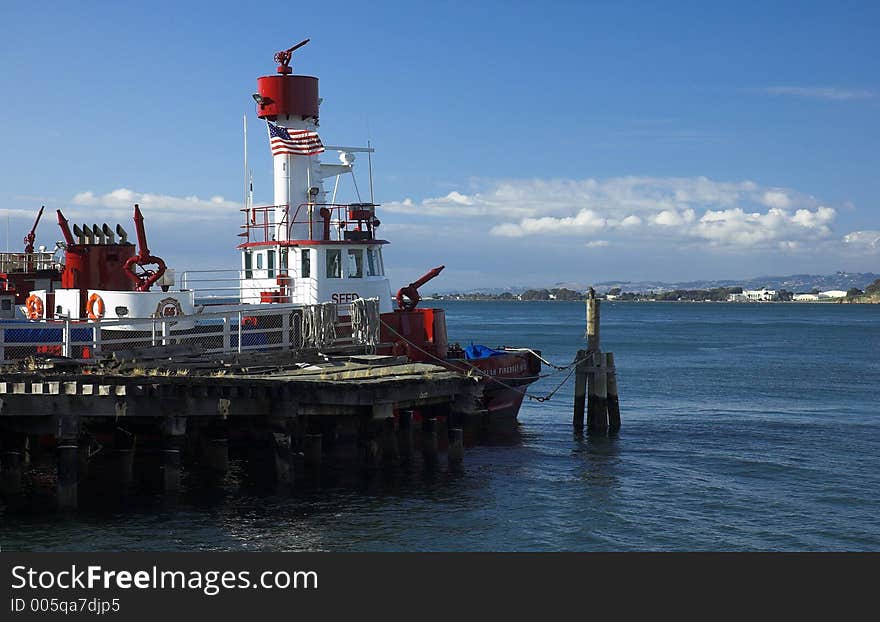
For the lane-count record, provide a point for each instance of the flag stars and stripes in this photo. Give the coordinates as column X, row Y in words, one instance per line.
column 284, row 140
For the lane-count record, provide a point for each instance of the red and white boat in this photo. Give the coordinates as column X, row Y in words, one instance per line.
column 303, row 251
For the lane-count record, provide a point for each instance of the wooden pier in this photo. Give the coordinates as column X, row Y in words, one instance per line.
column 297, row 410
column 184, row 404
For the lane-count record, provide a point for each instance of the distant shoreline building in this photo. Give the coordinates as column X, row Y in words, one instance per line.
column 755, row 295
column 833, row 293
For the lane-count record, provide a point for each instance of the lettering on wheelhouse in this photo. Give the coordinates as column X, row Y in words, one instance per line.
column 344, row 298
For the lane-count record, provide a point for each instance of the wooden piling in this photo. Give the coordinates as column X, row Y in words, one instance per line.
column 68, row 461
column 613, row 402
column 372, row 446
column 455, row 452
column 10, row 471
column 122, row 458
column 597, row 396
column 171, row 465
column 429, row 440
column 580, row 390
column 390, row 452
column 84, row 455
column 283, row 454
column 404, row 435
column 593, row 322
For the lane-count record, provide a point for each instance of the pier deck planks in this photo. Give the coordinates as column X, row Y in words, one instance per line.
column 328, row 388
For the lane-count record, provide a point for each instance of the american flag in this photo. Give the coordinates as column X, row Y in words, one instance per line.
column 297, row 142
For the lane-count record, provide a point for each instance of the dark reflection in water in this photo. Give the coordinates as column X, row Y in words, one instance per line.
column 727, row 444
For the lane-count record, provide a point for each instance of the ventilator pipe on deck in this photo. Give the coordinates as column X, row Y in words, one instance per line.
column 65, row 228
column 147, row 278
column 325, row 214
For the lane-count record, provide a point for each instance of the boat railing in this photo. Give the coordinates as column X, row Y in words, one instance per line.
column 261, row 328
column 28, row 262
column 348, row 221
column 230, row 284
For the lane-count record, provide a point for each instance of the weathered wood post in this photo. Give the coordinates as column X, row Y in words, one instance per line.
column 390, row 452
column 122, row 464
column 585, row 372
column 597, row 396
column 580, row 389
column 429, row 440
column 84, row 456
column 613, row 402
column 68, row 461
column 11, row 463
column 374, row 433
column 282, row 453
column 593, row 322
column 404, row 435
column 455, row 452
column 173, row 430
column 10, row 472
column 171, row 465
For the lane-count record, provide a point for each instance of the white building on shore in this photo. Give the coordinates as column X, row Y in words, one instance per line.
column 832, row 293
column 761, row 295
column 754, row 295
column 806, row 297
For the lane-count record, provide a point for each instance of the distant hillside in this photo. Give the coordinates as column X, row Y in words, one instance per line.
column 793, row 283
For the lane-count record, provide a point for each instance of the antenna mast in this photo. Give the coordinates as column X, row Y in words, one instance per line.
column 246, row 181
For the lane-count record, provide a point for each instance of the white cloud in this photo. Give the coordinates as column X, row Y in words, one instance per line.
column 122, row 200
column 863, row 241
column 776, row 198
column 737, row 228
column 584, row 222
column 673, row 218
column 822, row 92
column 735, row 215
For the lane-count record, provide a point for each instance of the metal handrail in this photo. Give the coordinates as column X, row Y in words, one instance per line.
column 341, row 211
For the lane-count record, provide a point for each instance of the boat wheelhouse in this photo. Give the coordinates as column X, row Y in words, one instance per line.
column 315, row 253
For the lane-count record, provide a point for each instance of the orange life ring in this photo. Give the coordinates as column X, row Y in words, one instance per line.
column 34, row 305
column 95, row 300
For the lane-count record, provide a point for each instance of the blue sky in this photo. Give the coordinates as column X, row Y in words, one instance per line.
column 517, row 143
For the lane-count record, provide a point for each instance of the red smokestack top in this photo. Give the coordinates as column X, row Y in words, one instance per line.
column 285, row 95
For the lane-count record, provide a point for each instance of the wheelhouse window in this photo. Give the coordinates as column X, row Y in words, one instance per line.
column 248, row 265
column 372, row 263
column 380, row 263
column 355, row 267
column 305, row 258
column 270, row 264
column 334, row 264
column 259, row 261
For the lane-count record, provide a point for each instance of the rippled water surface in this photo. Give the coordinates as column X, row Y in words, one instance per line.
column 745, row 427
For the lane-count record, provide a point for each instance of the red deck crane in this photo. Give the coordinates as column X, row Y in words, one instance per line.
column 32, row 234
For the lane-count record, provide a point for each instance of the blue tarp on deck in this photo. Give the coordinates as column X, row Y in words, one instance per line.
column 476, row 351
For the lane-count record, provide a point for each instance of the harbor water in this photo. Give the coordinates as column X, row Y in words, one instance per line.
column 745, row 427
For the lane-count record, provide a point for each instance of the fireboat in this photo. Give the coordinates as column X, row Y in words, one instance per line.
column 302, row 252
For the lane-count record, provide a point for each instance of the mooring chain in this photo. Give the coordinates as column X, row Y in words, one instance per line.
column 538, row 398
